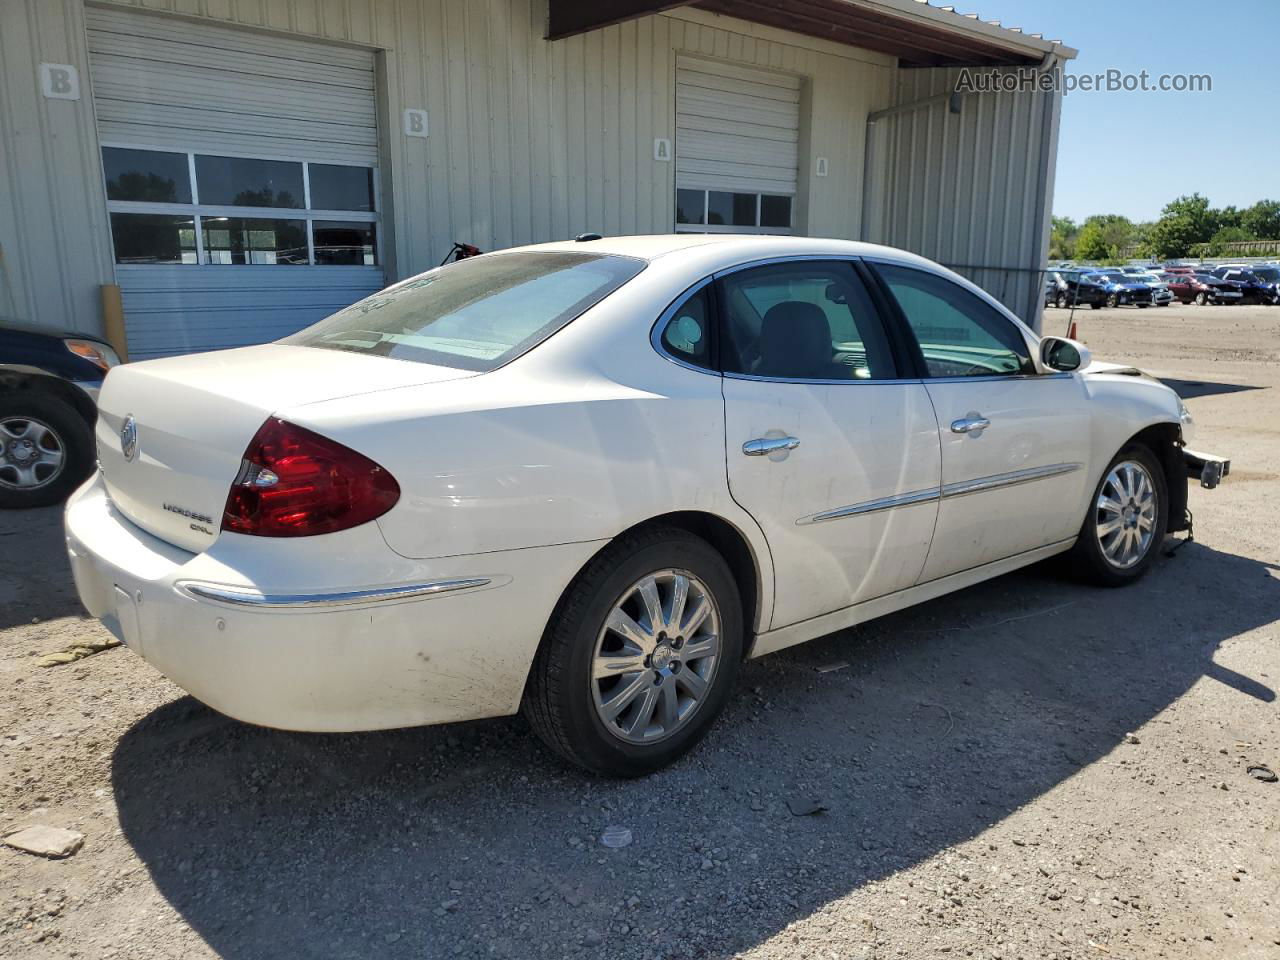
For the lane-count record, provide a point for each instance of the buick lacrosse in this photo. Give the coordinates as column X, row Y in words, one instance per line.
column 586, row 480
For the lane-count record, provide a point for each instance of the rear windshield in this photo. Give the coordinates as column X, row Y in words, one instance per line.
column 476, row 314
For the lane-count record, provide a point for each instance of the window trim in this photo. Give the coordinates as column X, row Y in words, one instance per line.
column 197, row 210
column 660, row 325
column 745, row 229
column 900, row 320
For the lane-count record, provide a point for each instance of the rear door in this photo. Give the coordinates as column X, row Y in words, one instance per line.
column 832, row 451
column 1015, row 443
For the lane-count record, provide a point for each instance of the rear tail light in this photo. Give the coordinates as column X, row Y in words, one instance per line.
column 296, row 483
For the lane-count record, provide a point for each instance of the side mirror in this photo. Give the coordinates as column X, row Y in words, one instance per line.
column 1059, row 353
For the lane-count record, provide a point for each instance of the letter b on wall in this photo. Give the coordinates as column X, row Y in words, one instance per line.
column 59, row 81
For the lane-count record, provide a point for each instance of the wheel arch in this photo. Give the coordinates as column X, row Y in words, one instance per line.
column 16, row 382
column 1165, row 441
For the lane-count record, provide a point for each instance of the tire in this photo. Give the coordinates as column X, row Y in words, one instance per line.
column 35, row 430
column 1113, row 301
column 1165, row 304
column 1143, row 306
column 567, row 706
column 1202, row 298
column 1059, row 301
column 1102, row 559
column 1095, row 305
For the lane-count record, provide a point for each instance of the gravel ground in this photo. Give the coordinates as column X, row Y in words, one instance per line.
column 1032, row 768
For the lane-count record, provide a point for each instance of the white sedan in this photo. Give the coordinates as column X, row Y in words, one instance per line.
column 588, row 479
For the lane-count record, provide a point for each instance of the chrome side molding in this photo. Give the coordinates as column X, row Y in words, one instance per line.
column 947, row 491
column 314, row 601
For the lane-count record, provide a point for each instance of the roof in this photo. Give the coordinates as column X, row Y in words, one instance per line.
column 916, row 32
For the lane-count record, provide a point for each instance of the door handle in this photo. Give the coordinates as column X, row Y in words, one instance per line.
column 970, row 425
column 762, row 447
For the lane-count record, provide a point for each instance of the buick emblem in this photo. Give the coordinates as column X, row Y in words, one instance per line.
column 129, row 437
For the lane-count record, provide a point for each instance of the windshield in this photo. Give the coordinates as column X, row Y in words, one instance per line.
column 1269, row 274
column 1118, row 278
column 476, row 314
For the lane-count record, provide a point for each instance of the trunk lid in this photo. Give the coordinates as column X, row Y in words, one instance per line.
column 192, row 417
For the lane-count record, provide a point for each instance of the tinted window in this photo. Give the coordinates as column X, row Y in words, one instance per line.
column 806, row 320
column 690, row 206
column 959, row 334
column 146, row 175
column 775, row 211
column 340, row 242
column 244, row 240
column 687, row 335
column 731, row 209
column 475, row 314
column 153, row 238
column 336, row 187
column 242, row 182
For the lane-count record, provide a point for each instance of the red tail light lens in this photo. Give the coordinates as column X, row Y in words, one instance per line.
column 296, row 483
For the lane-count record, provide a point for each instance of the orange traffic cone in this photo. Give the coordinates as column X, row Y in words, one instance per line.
column 1071, row 330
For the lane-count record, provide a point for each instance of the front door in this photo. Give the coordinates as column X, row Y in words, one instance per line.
column 834, row 455
column 1015, row 443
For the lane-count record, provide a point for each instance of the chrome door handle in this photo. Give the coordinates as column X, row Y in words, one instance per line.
column 969, row 424
column 762, row 447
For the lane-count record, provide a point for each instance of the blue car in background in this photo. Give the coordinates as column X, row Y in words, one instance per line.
column 1257, row 284
column 1122, row 290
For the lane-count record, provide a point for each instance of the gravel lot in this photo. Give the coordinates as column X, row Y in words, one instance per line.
column 1030, row 769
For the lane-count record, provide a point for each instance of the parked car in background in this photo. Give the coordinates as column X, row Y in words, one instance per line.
column 1269, row 273
column 1254, row 288
column 1069, row 288
column 1161, row 295
column 1203, row 288
column 588, row 479
column 1123, row 290
column 49, row 382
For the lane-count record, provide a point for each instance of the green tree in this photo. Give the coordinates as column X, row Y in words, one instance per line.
column 1262, row 220
column 1062, row 239
column 1091, row 244
column 1117, row 232
column 1183, row 222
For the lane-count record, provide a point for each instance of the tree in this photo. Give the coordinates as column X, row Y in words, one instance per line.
column 1262, row 220
column 1062, row 239
column 1091, row 244
column 1183, row 222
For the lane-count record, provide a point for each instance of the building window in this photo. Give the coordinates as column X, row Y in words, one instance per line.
column 724, row 211
column 198, row 208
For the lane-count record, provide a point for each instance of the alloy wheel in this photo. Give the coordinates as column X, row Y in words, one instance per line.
column 656, row 656
column 31, row 453
column 1126, row 514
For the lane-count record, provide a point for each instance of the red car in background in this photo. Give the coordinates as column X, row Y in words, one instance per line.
column 1202, row 288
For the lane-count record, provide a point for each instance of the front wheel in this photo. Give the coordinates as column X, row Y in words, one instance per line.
column 1202, row 298
column 1095, row 305
column 640, row 654
column 1126, row 521
column 46, row 449
column 1113, row 301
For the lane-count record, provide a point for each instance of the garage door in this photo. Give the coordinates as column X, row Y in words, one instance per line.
column 241, row 176
column 737, row 147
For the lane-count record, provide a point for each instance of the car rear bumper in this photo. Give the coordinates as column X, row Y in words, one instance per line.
column 401, row 643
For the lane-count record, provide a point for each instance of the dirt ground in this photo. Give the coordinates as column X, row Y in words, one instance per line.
column 1029, row 769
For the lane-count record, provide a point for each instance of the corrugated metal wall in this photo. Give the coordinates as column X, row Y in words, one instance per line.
column 53, row 215
column 970, row 190
column 529, row 140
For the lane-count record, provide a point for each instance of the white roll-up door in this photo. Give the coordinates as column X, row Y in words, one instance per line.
column 737, row 133
column 241, row 178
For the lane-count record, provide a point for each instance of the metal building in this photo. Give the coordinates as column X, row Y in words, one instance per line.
column 241, row 168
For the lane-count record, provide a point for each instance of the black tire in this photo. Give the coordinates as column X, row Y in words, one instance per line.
column 558, row 701
column 1143, row 306
column 70, row 433
column 1095, row 305
column 1165, row 304
column 1113, row 301
column 1059, row 301
column 1088, row 559
column 1202, row 298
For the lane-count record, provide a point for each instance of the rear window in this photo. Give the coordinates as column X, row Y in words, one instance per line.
column 476, row 314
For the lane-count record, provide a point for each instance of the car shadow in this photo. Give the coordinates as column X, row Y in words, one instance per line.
column 915, row 733
column 27, row 591
column 1190, row 389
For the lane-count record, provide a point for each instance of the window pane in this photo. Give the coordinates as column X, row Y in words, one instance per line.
column 153, row 238
column 689, row 206
column 239, row 182
column 807, row 320
column 960, row 335
column 340, row 188
column 731, row 209
column 146, row 175
column 475, row 314
column 240, row 240
column 775, row 211
column 339, row 242
column 687, row 333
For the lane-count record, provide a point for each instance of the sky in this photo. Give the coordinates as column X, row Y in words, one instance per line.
column 1131, row 153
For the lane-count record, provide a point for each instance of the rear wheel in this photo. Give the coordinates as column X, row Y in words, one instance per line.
column 1095, row 305
column 640, row 655
column 1126, row 521
column 46, row 449
column 1113, row 301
